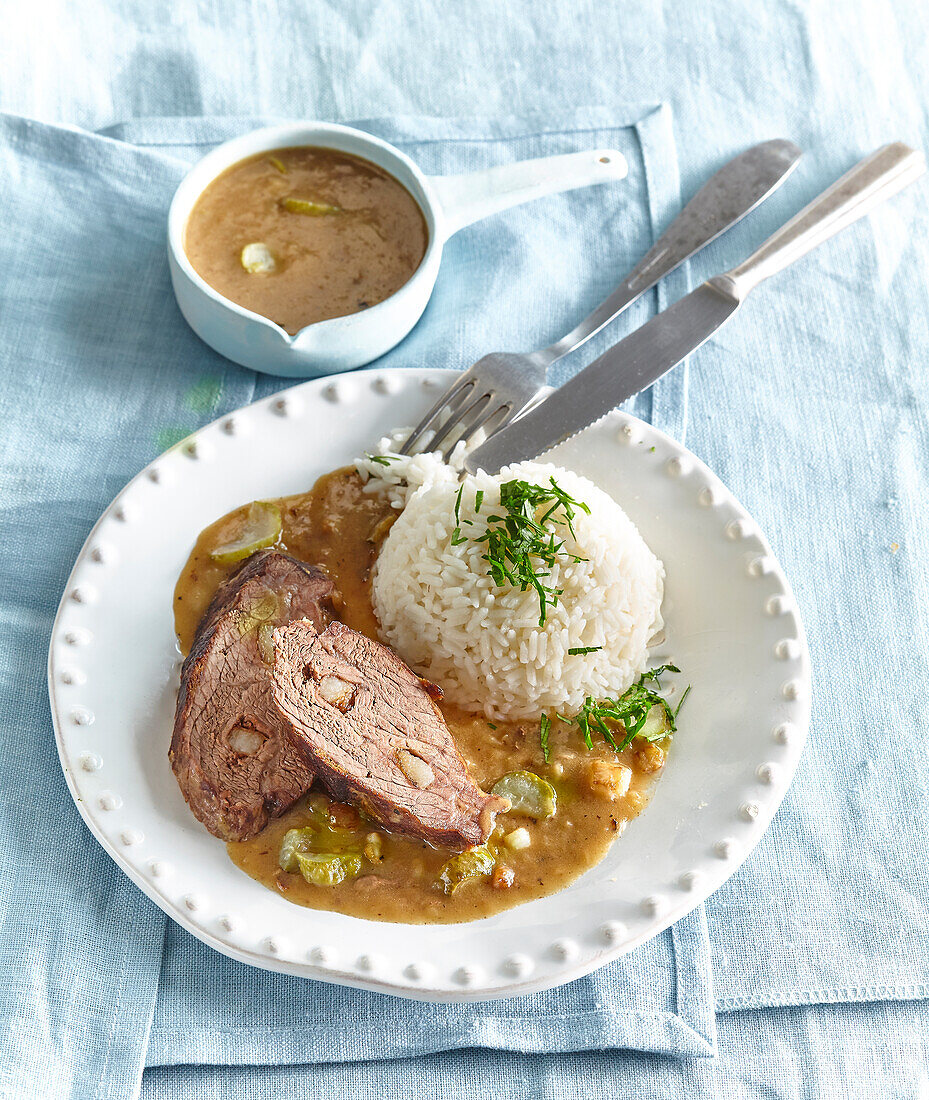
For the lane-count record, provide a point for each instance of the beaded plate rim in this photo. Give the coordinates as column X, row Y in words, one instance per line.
column 482, row 960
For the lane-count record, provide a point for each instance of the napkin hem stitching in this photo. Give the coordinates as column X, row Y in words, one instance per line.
column 856, row 994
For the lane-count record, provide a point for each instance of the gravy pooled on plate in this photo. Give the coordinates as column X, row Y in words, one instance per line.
column 338, row 527
column 305, row 234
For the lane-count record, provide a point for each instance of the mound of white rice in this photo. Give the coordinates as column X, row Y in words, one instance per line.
column 482, row 643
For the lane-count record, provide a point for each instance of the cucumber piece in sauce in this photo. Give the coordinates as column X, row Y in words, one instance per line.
column 467, row 866
column 319, row 868
column 309, row 208
column 529, row 794
column 262, row 527
column 295, row 840
column 327, row 869
column 657, row 727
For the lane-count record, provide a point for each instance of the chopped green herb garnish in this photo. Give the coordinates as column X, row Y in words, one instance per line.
column 655, row 673
column 381, row 460
column 651, row 450
column 520, row 546
column 458, row 503
column 584, row 649
column 677, row 709
column 492, row 726
column 620, row 721
column 478, row 500
column 545, row 728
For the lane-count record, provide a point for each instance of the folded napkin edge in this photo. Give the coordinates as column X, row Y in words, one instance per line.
column 410, row 129
column 657, row 1033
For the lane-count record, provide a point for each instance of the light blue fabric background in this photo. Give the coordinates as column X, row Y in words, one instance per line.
column 812, row 407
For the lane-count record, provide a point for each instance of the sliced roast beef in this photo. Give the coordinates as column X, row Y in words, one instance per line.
column 371, row 731
column 233, row 761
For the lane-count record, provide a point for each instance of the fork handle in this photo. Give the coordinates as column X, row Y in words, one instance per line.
column 737, row 188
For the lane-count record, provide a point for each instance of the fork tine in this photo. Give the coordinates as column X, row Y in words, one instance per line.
column 480, row 418
column 448, row 401
column 460, row 415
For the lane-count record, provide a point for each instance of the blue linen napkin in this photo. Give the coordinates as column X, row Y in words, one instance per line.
column 98, row 373
column 805, row 1052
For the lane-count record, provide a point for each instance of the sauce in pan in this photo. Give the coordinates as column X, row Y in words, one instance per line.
column 304, row 234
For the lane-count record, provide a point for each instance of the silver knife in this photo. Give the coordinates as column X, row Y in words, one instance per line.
column 652, row 350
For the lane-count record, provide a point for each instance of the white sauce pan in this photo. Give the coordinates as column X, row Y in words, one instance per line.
column 448, row 203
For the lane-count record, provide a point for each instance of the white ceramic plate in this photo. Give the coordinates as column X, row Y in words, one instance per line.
column 732, row 627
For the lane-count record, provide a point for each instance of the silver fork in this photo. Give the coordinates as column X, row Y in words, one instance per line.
column 502, row 385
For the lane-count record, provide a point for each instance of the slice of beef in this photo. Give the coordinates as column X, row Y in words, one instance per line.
column 370, row 729
column 234, row 762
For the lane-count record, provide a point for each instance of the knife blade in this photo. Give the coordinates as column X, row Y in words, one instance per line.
column 621, row 372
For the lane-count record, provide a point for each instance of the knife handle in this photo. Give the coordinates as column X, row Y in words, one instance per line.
column 857, row 193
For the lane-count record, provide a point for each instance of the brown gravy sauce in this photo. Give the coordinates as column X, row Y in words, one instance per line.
column 365, row 244
column 333, row 526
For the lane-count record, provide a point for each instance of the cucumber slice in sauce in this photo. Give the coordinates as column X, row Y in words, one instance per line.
column 295, row 841
column 657, row 727
column 529, row 794
column 467, row 866
column 327, row 869
column 310, row 208
column 321, row 868
column 263, row 524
